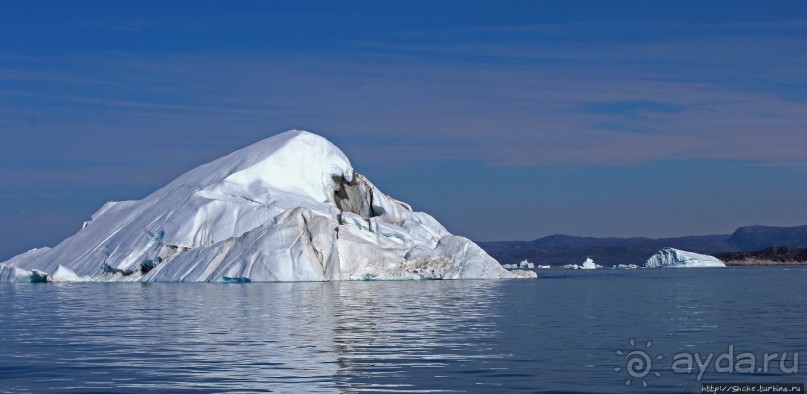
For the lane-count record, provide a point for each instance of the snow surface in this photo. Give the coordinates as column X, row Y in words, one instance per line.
column 288, row 208
column 64, row 274
column 674, row 258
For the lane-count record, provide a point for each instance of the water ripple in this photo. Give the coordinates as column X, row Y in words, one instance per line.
column 553, row 334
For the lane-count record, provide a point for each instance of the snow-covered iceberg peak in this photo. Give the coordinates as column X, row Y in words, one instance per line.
column 296, row 162
column 287, row 208
column 674, row 258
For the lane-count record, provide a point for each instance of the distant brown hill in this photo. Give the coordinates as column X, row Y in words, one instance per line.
column 769, row 256
column 567, row 249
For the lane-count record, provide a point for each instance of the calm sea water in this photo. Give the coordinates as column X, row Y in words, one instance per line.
column 559, row 333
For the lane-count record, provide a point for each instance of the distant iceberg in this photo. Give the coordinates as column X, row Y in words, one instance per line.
column 288, row 208
column 674, row 258
column 587, row 265
column 525, row 264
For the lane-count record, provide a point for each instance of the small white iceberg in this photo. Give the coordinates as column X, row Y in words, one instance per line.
column 589, row 265
column 674, row 258
column 524, row 264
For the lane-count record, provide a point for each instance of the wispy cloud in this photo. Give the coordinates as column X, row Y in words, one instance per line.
column 114, row 104
column 720, row 96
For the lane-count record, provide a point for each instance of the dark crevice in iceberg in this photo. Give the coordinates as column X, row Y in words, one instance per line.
column 38, row 276
column 108, row 269
column 152, row 256
column 149, row 265
column 355, row 196
column 228, row 279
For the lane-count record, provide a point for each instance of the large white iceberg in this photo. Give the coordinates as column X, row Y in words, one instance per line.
column 288, row 208
column 674, row 258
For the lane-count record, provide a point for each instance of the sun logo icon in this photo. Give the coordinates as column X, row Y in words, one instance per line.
column 638, row 363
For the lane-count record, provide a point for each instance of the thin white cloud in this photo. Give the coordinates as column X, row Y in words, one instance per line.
column 522, row 113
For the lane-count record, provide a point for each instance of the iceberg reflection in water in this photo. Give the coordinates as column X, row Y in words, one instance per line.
column 328, row 336
column 559, row 333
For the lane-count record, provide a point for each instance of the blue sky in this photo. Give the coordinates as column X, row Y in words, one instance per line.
column 505, row 120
